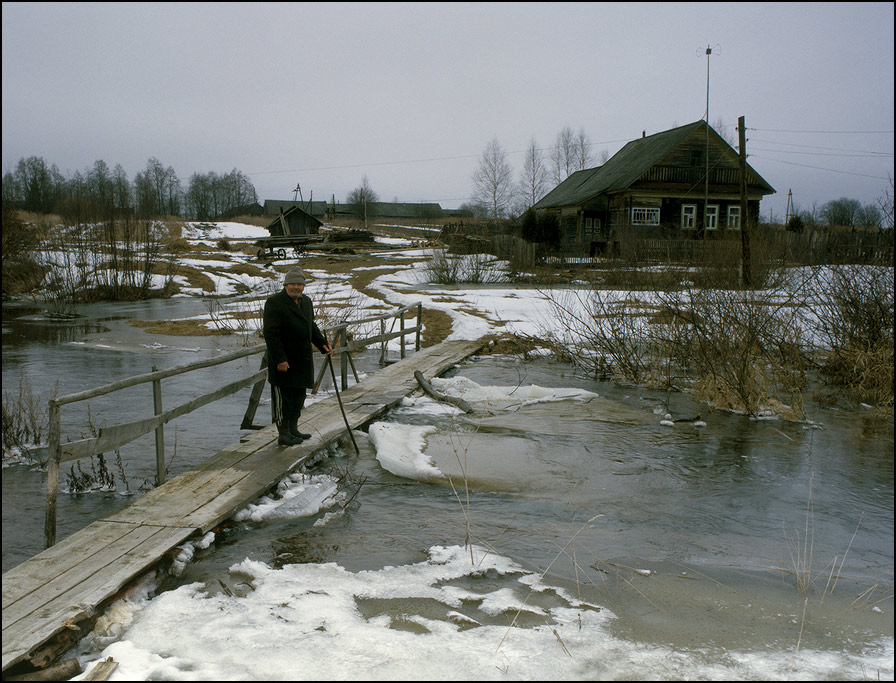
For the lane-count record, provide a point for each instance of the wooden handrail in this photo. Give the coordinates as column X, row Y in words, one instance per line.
column 111, row 438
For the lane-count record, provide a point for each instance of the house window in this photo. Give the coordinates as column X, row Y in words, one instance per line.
column 696, row 157
column 734, row 218
column 688, row 216
column 711, row 217
column 645, row 216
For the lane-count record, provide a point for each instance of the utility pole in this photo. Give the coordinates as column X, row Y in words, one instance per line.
column 745, row 269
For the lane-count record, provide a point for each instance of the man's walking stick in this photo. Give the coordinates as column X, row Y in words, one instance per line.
column 339, row 398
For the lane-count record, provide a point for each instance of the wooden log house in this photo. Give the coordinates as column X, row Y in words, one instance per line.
column 656, row 187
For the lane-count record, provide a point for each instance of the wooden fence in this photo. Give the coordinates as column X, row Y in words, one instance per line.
column 811, row 247
column 115, row 436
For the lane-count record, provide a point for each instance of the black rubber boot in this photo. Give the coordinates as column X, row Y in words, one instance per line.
column 285, row 438
column 294, row 430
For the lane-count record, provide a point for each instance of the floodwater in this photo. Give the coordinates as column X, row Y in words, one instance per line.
column 737, row 534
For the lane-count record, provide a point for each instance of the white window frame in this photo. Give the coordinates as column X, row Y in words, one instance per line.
column 733, row 217
column 689, row 217
column 711, row 217
column 645, row 215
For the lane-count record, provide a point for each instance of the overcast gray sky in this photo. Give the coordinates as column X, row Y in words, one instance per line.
column 410, row 94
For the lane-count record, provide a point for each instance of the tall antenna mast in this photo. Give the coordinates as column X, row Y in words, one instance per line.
column 706, row 182
column 706, row 154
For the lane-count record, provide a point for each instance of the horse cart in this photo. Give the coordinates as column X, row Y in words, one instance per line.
column 275, row 247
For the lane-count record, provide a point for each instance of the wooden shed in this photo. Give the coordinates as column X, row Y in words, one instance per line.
column 292, row 222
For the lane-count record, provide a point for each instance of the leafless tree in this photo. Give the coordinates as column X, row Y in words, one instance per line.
column 534, row 177
column 363, row 199
column 725, row 131
column 493, row 180
column 885, row 203
column 582, row 146
column 563, row 155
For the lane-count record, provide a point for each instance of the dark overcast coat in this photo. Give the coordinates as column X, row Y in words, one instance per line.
column 290, row 334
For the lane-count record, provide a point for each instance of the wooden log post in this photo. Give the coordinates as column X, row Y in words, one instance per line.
column 419, row 326
column 255, row 397
column 402, row 333
column 52, row 475
column 160, row 430
column 343, row 364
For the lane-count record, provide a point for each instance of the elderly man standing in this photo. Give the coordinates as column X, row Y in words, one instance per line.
column 290, row 332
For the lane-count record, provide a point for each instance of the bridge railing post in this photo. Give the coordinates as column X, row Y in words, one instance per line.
column 343, row 360
column 52, row 475
column 402, row 333
column 160, row 430
column 419, row 326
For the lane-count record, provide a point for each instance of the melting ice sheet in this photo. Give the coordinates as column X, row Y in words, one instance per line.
column 448, row 616
column 502, row 397
column 399, row 448
column 497, row 446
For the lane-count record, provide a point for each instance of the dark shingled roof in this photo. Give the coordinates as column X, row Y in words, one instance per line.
column 624, row 168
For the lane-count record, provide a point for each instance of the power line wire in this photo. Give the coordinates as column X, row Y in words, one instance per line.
column 419, row 161
column 828, row 132
column 862, row 155
column 836, row 149
column 820, row 168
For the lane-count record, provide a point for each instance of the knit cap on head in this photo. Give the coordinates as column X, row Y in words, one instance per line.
column 294, row 277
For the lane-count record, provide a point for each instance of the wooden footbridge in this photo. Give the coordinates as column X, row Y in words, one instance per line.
column 52, row 600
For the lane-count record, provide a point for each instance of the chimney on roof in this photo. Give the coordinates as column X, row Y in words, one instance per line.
column 643, row 133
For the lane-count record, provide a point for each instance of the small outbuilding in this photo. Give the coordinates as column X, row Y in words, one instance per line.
column 294, row 221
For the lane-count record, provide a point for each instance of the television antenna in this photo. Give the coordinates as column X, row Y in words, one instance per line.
column 708, row 53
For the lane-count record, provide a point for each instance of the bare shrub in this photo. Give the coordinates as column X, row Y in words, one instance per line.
column 442, row 269
column 739, row 350
column 852, row 311
column 475, row 268
column 178, row 245
column 24, row 419
column 743, row 349
column 602, row 335
column 112, row 260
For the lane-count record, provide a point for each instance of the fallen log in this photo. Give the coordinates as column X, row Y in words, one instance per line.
column 58, row 672
column 444, row 398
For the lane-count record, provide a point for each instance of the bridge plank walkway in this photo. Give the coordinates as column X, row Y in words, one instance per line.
column 72, row 581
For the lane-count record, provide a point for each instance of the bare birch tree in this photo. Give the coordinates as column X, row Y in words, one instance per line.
column 534, row 176
column 582, row 145
column 563, row 155
column 363, row 201
column 493, row 181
